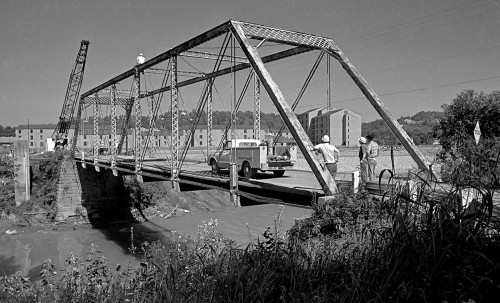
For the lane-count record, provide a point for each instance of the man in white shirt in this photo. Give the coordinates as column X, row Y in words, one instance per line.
column 330, row 154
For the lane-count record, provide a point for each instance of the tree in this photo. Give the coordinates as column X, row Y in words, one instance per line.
column 466, row 162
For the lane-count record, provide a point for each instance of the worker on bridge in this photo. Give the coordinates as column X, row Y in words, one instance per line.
column 330, row 154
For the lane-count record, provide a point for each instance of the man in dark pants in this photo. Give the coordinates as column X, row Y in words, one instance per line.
column 371, row 155
column 363, row 161
column 330, row 154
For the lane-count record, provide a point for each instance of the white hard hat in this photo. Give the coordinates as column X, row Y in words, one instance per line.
column 325, row 138
column 140, row 59
column 362, row 140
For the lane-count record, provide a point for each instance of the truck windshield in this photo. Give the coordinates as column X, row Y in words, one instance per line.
column 247, row 144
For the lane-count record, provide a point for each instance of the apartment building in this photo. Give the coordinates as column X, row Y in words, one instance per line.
column 342, row 125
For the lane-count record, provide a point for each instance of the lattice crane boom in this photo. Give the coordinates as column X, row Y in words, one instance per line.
column 60, row 134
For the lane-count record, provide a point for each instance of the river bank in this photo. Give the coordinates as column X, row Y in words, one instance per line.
column 26, row 250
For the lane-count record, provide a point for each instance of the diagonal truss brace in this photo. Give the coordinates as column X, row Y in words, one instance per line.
column 325, row 179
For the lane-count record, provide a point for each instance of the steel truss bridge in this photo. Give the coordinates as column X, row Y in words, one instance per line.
column 226, row 56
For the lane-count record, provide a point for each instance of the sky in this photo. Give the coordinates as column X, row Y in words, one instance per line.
column 416, row 55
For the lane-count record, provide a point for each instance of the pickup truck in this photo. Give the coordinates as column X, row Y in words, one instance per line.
column 252, row 156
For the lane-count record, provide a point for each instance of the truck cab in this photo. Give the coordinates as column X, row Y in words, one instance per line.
column 251, row 156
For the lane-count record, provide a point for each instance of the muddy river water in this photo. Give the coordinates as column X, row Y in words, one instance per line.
column 26, row 250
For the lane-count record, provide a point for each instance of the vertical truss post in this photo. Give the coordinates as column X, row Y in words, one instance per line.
column 151, row 141
column 175, row 122
column 301, row 138
column 233, row 172
column 77, row 129
column 209, row 119
column 124, row 134
column 113, row 127
column 96, row 131
column 256, row 115
column 328, row 90
column 138, row 122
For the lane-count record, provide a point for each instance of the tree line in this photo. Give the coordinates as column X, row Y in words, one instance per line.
column 7, row 131
column 421, row 127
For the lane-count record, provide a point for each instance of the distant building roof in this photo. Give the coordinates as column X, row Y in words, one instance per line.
column 37, row 126
column 311, row 110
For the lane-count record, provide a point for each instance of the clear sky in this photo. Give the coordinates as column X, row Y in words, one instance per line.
column 416, row 55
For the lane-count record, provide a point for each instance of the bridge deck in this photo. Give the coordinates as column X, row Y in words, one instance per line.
column 296, row 187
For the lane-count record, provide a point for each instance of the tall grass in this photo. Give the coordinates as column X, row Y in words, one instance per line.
column 417, row 243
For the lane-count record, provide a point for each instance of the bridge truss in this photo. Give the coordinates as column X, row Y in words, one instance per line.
column 209, row 64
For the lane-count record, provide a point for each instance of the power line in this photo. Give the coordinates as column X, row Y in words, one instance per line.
column 405, row 65
column 367, row 36
column 424, row 30
column 411, row 90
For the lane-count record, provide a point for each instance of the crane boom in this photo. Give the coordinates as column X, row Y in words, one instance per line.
column 60, row 135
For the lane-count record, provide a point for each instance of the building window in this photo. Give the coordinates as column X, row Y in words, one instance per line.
column 31, row 143
column 19, row 131
column 41, row 131
column 84, row 137
column 84, row 143
column 245, row 131
column 19, row 136
column 41, row 137
column 244, row 137
column 31, row 137
column 100, row 136
column 201, row 137
column 41, row 144
column 31, row 131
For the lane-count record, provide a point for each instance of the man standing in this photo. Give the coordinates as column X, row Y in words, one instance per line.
column 371, row 154
column 330, row 154
column 363, row 159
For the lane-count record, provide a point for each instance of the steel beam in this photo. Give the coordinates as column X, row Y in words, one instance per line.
column 301, row 92
column 124, row 132
column 175, row 118
column 138, row 122
column 209, row 120
column 150, row 148
column 106, row 101
column 225, row 71
column 256, row 107
column 200, row 39
column 96, row 133
column 301, row 138
column 210, row 56
column 381, row 109
column 113, row 146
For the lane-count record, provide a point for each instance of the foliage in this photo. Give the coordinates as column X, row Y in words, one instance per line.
column 420, row 127
column 7, row 174
column 44, row 184
column 465, row 161
column 7, row 131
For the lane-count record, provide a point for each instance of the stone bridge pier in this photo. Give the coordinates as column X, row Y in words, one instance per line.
column 84, row 193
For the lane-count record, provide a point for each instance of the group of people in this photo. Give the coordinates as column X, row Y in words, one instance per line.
column 368, row 153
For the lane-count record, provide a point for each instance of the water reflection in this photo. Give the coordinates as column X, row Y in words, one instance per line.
column 27, row 250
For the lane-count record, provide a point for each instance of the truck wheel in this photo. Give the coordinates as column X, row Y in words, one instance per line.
column 215, row 167
column 247, row 171
column 279, row 173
